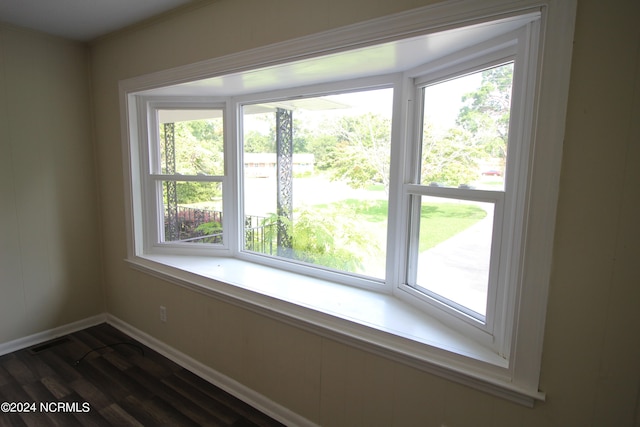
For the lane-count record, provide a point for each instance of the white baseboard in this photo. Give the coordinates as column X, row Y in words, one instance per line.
column 222, row 381
column 40, row 337
column 227, row 384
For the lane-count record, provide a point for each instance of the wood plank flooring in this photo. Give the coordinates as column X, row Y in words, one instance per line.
column 120, row 381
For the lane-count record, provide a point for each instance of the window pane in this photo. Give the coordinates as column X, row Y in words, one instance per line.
column 465, row 130
column 316, row 176
column 192, row 211
column 191, row 142
column 454, row 251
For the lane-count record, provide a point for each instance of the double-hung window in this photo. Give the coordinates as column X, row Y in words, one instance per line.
column 185, row 174
column 467, row 158
column 384, row 190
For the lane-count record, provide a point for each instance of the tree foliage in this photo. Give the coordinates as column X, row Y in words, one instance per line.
column 451, row 160
column 323, row 148
column 330, row 238
column 480, row 131
column 198, row 151
column 256, row 141
column 362, row 151
column 486, row 111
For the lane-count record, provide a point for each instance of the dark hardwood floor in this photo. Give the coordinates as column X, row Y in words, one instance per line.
column 101, row 377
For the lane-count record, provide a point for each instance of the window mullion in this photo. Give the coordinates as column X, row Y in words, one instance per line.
column 397, row 244
column 497, row 281
column 414, row 233
column 231, row 189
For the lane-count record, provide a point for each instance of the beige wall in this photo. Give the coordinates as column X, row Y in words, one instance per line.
column 49, row 248
column 591, row 369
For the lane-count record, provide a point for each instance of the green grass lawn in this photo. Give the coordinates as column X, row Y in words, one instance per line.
column 441, row 221
column 438, row 221
column 358, row 224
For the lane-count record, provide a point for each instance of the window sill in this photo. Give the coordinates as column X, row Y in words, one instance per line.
column 376, row 322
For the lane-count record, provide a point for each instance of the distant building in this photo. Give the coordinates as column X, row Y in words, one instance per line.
column 263, row 165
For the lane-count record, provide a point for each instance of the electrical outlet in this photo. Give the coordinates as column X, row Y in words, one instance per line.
column 163, row 313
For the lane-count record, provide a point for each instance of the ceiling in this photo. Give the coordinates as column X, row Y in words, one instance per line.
column 82, row 20
column 86, row 20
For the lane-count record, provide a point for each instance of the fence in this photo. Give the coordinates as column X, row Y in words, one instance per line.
column 195, row 225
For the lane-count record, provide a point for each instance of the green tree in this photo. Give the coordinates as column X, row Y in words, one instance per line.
column 451, row 160
column 362, row 151
column 198, row 151
column 323, row 147
column 481, row 131
column 199, row 147
column 486, row 111
column 265, row 142
column 256, row 142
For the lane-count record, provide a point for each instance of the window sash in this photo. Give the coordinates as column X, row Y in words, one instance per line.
column 491, row 327
column 153, row 206
column 413, row 193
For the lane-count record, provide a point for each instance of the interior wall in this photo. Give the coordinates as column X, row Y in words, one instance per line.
column 590, row 368
column 49, row 249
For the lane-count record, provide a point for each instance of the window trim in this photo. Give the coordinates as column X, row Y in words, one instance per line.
column 519, row 380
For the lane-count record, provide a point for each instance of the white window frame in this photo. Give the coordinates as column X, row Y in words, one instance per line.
column 363, row 84
column 521, row 49
column 511, row 372
column 151, row 196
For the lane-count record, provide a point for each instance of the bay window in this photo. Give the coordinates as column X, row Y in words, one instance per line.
column 378, row 192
